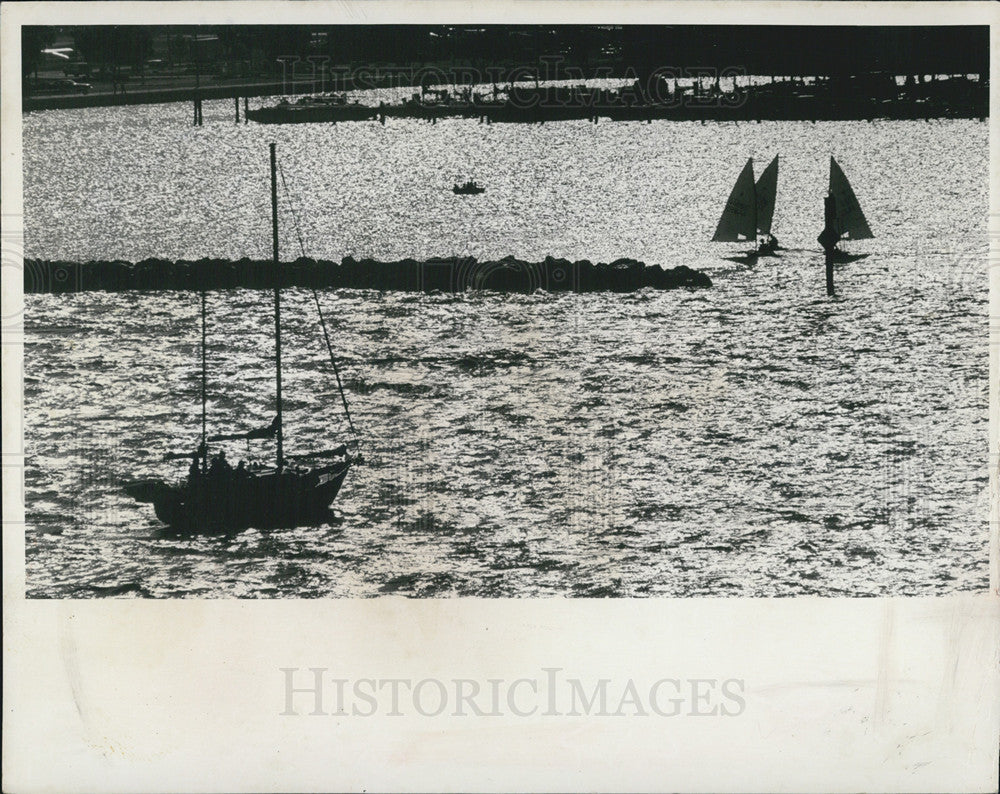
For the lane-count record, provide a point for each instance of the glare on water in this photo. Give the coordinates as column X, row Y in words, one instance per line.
column 753, row 439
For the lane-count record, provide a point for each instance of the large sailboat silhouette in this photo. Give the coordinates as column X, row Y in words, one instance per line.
column 222, row 498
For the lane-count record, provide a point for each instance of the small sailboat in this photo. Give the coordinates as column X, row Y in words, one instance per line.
column 843, row 220
column 220, row 498
column 842, row 214
column 749, row 212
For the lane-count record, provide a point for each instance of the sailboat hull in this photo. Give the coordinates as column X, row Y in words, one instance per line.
column 842, row 257
column 749, row 257
column 257, row 499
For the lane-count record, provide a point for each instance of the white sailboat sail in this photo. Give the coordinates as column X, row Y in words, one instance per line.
column 740, row 215
column 767, row 192
column 851, row 222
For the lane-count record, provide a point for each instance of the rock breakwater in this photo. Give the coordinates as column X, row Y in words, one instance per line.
column 452, row 274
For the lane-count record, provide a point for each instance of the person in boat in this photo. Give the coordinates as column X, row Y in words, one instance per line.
column 220, row 466
column 829, row 237
column 195, row 470
column 241, row 469
column 768, row 244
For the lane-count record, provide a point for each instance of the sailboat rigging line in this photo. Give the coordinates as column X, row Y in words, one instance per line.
column 319, row 310
column 204, row 409
column 291, row 208
column 279, row 457
column 336, row 370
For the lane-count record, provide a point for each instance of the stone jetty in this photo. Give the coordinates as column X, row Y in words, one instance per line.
column 450, row 274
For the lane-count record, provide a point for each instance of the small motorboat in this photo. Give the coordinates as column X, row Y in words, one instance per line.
column 470, row 188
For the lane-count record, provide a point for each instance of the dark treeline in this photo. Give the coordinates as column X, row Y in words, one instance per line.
column 454, row 274
column 775, row 50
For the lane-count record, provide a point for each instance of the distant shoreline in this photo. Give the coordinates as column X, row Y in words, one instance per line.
column 784, row 100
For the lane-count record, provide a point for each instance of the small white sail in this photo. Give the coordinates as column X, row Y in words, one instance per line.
column 740, row 215
column 851, row 221
column 767, row 192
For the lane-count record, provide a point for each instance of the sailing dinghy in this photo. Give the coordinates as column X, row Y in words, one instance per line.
column 843, row 216
column 843, row 220
column 221, row 498
column 749, row 212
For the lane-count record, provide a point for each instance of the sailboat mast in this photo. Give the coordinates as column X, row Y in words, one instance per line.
column 830, row 213
column 277, row 302
column 204, row 390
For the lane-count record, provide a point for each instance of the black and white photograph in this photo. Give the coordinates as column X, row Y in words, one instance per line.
column 505, row 311
column 490, row 396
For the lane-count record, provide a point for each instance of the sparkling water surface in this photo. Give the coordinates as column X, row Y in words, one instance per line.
column 753, row 439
